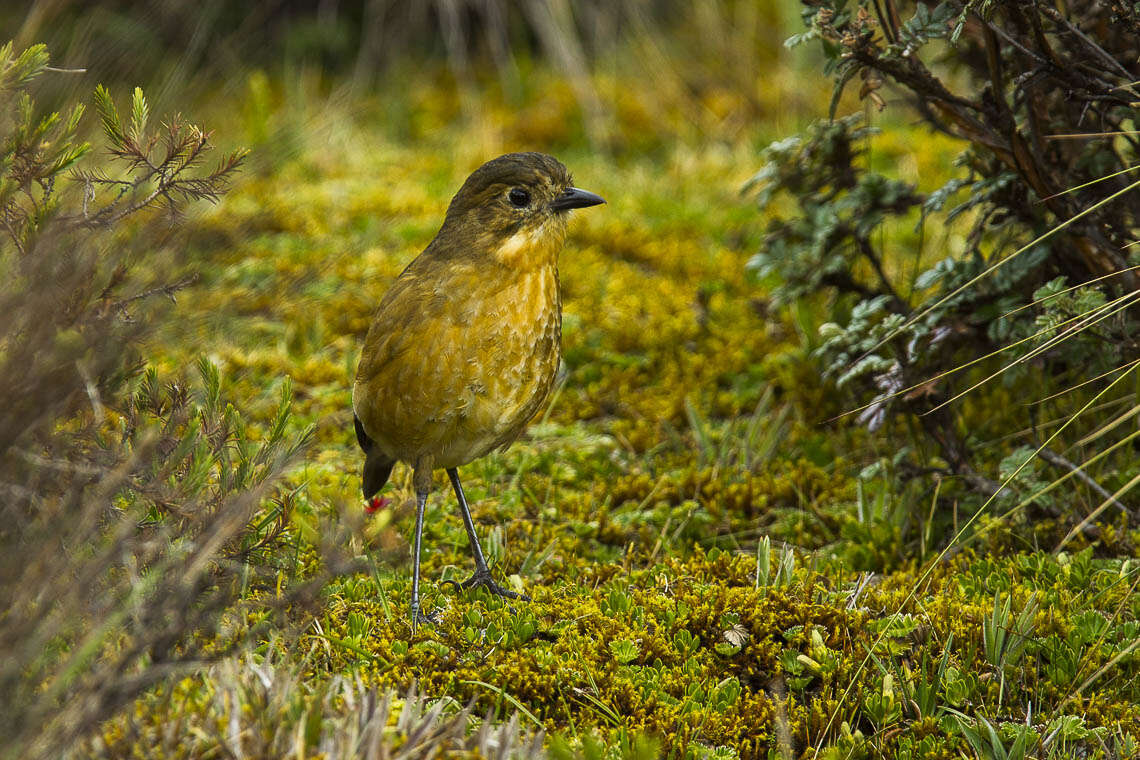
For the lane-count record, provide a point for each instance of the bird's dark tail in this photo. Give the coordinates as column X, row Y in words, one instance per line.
column 377, row 467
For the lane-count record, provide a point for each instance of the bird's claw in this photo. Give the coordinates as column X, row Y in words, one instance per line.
column 485, row 580
column 420, row 617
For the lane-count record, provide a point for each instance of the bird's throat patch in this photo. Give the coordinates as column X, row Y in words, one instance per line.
column 532, row 247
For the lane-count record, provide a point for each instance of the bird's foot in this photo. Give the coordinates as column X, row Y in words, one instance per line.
column 483, row 578
column 419, row 617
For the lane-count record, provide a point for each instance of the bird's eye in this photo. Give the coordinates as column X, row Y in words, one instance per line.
column 518, row 197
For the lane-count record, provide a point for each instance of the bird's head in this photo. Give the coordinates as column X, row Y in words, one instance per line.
column 513, row 208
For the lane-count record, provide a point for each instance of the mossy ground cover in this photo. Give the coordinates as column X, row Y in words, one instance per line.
column 690, row 528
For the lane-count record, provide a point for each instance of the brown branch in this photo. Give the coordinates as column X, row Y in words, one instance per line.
column 169, row 290
column 868, row 252
column 1062, row 463
column 1100, row 52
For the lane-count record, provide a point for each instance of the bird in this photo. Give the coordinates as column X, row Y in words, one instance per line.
column 465, row 345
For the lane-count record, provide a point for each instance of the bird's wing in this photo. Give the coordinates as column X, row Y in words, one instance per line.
column 362, row 438
column 416, row 367
column 406, row 320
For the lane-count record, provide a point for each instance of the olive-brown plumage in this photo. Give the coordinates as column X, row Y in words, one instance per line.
column 465, row 345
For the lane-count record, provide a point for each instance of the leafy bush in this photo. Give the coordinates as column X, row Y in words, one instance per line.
column 128, row 501
column 1031, row 307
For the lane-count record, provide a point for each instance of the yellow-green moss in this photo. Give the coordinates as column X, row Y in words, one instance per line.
column 628, row 512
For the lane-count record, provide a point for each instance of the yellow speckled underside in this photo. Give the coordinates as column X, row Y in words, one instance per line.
column 462, row 354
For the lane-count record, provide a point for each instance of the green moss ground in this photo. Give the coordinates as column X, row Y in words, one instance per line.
column 690, row 425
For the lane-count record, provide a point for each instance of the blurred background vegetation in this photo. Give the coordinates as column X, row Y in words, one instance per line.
column 711, row 49
column 841, row 466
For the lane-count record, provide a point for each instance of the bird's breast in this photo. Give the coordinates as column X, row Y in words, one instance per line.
column 469, row 371
column 519, row 350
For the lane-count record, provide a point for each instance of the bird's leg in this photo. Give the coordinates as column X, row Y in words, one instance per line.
column 472, row 538
column 482, row 575
column 422, row 481
column 421, row 503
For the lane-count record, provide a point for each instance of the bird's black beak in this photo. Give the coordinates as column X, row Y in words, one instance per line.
column 573, row 197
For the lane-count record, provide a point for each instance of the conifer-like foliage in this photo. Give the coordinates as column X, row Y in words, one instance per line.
column 127, row 500
column 1022, row 284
